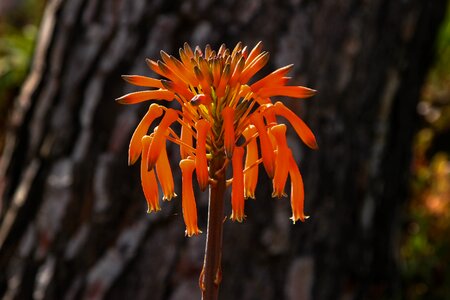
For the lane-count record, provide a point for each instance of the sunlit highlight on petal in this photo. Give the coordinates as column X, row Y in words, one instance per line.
column 137, row 97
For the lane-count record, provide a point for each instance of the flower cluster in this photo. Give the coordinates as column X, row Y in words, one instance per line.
column 222, row 112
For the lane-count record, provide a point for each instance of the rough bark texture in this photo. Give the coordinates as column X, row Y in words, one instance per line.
column 73, row 221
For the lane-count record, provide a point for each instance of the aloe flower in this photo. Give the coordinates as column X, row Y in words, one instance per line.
column 224, row 115
column 217, row 102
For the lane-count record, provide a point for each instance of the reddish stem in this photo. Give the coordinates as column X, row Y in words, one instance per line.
column 212, row 273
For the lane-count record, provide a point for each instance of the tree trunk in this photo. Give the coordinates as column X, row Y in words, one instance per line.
column 73, row 222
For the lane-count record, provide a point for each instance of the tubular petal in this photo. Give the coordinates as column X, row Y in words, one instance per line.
column 266, row 146
column 237, row 192
column 302, row 130
column 200, row 99
column 251, row 176
column 135, row 148
column 137, row 97
column 297, row 192
column 269, row 115
column 164, row 173
column 143, row 81
column 254, row 53
column 271, row 78
column 229, row 138
column 250, row 70
column 188, row 200
column 186, row 137
column 177, row 88
column 226, row 74
column 148, row 179
column 237, row 71
column 201, row 163
column 159, row 138
column 281, row 161
column 288, row 91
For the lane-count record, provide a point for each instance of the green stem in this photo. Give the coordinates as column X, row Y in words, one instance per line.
column 212, row 272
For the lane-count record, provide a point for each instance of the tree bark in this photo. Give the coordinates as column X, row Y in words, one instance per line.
column 73, row 222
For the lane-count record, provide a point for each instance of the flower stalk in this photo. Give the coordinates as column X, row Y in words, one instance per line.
column 212, row 270
column 218, row 105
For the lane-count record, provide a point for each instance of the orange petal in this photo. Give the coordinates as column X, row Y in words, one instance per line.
column 143, row 81
column 188, row 200
column 201, row 99
column 186, row 138
column 228, row 125
column 216, row 70
column 269, row 115
column 250, row 70
column 135, row 148
column 237, row 71
column 205, row 85
column 137, row 97
column 251, row 176
column 281, row 161
column 273, row 77
column 302, row 130
column 201, row 163
column 178, row 88
column 297, row 192
column 226, row 74
column 164, row 173
column 254, row 53
column 159, row 138
column 177, row 68
column 266, row 146
column 148, row 179
column 237, row 192
column 288, row 91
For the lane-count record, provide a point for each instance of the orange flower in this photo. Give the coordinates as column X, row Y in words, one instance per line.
column 282, row 164
column 154, row 111
column 164, row 173
column 160, row 137
column 186, row 137
column 297, row 192
column 303, row 131
column 188, row 201
column 265, row 143
column 251, row 176
column 237, row 192
column 148, row 179
column 201, row 162
column 217, row 102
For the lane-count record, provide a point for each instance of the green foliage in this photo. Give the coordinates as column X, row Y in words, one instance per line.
column 18, row 32
column 426, row 249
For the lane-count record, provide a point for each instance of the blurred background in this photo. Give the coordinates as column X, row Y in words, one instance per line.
column 73, row 222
